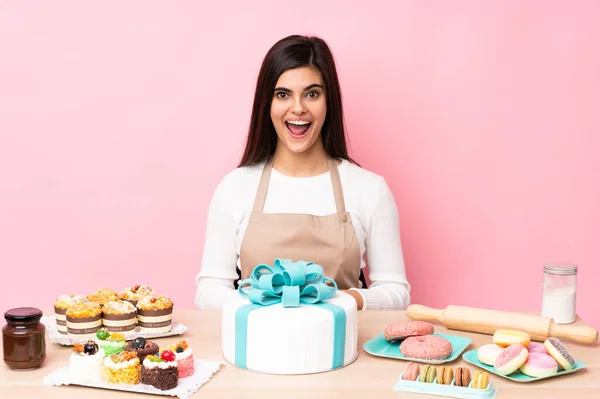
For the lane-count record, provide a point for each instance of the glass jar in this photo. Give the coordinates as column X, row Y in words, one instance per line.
column 559, row 292
column 24, row 339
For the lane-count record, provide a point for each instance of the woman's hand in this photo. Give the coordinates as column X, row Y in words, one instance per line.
column 357, row 297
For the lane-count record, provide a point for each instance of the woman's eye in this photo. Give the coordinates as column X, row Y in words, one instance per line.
column 281, row 94
column 312, row 94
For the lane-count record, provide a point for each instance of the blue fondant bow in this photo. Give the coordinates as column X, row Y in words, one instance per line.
column 290, row 283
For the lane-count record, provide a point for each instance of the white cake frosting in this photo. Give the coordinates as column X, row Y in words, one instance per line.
column 162, row 365
column 86, row 367
column 297, row 340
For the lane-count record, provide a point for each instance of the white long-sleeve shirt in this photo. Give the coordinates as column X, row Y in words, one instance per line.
column 367, row 197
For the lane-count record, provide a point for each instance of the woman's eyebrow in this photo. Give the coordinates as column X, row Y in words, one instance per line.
column 312, row 86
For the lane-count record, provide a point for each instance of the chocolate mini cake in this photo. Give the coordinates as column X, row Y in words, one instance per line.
column 160, row 371
column 142, row 347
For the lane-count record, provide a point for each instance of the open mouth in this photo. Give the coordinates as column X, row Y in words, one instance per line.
column 298, row 128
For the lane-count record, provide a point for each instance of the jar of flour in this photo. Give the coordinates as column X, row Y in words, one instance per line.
column 559, row 292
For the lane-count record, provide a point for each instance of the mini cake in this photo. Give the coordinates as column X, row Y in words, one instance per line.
column 160, row 371
column 185, row 359
column 103, row 295
column 135, row 293
column 86, row 361
column 111, row 343
column 155, row 313
column 83, row 320
column 61, row 305
column 124, row 368
column 142, row 347
column 119, row 316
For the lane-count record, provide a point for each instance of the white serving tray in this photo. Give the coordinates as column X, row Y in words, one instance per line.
column 64, row 339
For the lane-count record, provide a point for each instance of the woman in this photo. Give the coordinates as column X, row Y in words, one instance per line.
column 298, row 195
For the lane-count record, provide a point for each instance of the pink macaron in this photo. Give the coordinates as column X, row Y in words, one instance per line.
column 511, row 359
column 429, row 347
column 539, row 365
column 411, row 372
column 536, row 347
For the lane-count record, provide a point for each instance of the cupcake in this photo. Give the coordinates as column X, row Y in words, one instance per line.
column 83, row 320
column 135, row 293
column 155, row 313
column 185, row 359
column 61, row 305
column 142, row 347
column 110, row 343
column 86, row 362
column 103, row 295
column 160, row 371
column 124, row 368
column 119, row 316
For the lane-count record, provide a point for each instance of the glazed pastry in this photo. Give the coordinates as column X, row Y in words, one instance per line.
column 445, row 375
column 509, row 337
column 511, row 359
column 111, row 343
column 119, row 316
column 539, row 365
column 155, row 313
column 428, row 373
column 83, row 320
column 123, row 368
column 142, row 347
column 135, row 293
column 61, row 305
column 102, row 296
column 537, row 348
column 558, row 351
column 160, row 371
column 488, row 354
column 426, row 347
column 480, row 380
column 400, row 330
column 411, row 372
column 462, row 377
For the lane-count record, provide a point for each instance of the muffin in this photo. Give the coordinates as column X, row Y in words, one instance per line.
column 155, row 313
column 103, row 295
column 142, row 347
column 86, row 362
column 124, row 368
column 160, row 371
column 61, row 305
column 83, row 320
column 184, row 357
column 110, row 343
column 119, row 316
column 135, row 293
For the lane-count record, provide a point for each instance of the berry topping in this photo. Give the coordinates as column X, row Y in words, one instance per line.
column 90, row 348
column 102, row 334
column 167, row 355
column 179, row 349
column 139, row 343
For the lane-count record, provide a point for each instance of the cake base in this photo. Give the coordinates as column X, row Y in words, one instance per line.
column 163, row 379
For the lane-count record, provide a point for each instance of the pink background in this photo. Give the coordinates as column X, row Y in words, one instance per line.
column 118, row 121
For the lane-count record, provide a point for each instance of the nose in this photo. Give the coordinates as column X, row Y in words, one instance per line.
column 298, row 106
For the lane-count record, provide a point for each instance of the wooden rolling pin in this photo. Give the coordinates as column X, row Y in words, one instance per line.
column 487, row 321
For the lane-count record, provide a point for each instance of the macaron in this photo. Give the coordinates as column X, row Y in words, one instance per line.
column 511, row 359
column 558, row 351
column 539, row 365
column 401, row 330
column 462, row 377
column 509, row 337
column 487, row 354
column 428, row 374
column 480, row 380
column 411, row 372
column 445, row 375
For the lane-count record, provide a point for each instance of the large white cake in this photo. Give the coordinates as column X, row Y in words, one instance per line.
column 290, row 340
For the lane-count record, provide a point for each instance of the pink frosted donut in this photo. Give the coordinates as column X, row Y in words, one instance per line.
column 511, row 359
column 426, row 347
column 402, row 329
column 536, row 347
column 539, row 365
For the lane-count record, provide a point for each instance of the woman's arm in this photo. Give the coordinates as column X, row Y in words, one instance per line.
column 389, row 288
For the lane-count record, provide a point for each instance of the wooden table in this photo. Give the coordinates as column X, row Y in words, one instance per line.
column 368, row 377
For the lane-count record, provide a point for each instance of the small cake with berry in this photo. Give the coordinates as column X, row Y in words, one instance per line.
column 142, row 347
column 103, row 295
column 160, row 371
column 155, row 313
column 110, row 342
column 86, row 362
column 61, row 305
column 123, row 368
column 83, row 320
column 135, row 293
column 119, row 316
column 185, row 359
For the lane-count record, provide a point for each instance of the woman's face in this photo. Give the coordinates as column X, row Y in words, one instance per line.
column 299, row 108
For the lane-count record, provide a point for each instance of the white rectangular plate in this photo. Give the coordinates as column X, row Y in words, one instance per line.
column 65, row 339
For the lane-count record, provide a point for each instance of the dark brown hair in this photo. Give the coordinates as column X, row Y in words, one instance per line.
column 288, row 53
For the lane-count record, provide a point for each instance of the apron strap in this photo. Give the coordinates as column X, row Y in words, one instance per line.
column 263, row 186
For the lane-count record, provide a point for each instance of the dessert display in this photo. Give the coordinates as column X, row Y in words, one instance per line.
column 83, row 320
column 184, row 357
column 111, row 343
column 135, row 293
column 142, row 347
column 160, row 371
column 61, row 305
column 446, row 378
column 102, row 296
column 122, row 368
column 86, row 361
column 155, row 313
column 119, row 316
